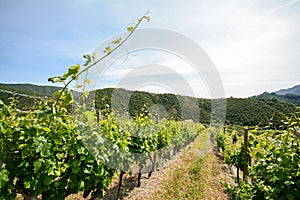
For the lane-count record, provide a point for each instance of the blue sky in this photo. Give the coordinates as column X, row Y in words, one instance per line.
column 254, row 44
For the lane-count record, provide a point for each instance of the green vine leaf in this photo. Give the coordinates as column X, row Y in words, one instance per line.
column 88, row 59
column 56, row 79
column 130, row 28
column 37, row 164
column 108, row 50
column 69, row 97
column 72, row 72
column 87, row 81
column 116, row 41
column 3, row 177
column 77, row 86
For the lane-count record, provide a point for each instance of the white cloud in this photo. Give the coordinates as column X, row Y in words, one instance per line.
column 251, row 43
column 254, row 44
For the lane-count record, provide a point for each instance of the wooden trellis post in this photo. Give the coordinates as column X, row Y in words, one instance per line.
column 245, row 153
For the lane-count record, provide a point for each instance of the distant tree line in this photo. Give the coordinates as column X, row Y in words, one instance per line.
column 263, row 110
column 240, row 111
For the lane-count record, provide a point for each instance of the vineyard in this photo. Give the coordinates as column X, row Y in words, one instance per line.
column 44, row 153
column 270, row 161
column 62, row 145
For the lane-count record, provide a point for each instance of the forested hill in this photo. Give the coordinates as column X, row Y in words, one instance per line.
column 289, row 95
column 242, row 111
column 29, row 89
column 290, row 98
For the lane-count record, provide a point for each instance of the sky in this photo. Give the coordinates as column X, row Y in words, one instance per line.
column 254, row 45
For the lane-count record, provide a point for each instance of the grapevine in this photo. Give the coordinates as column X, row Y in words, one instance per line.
column 275, row 173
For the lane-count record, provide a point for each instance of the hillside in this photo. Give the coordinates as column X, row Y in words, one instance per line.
column 252, row 112
column 292, row 90
column 30, row 89
column 240, row 111
column 288, row 98
column 166, row 104
column 24, row 101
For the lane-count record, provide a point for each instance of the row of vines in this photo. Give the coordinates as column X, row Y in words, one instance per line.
column 47, row 158
column 272, row 161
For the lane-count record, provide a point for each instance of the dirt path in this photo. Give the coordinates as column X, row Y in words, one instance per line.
column 148, row 184
column 213, row 170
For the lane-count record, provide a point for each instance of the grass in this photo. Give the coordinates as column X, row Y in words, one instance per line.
column 196, row 175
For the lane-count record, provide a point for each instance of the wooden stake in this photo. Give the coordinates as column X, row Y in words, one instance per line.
column 120, row 184
column 154, row 156
column 245, row 153
column 139, row 176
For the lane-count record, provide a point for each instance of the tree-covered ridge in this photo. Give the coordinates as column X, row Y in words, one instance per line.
column 242, row 111
column 252, row 112
column 30, row 89
column 168, row 105
column 289, row 98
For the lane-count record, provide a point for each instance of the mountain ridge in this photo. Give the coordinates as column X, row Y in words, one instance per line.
column 292, row 90
column 30, row 89
column 289, row 98
column 241, row 111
